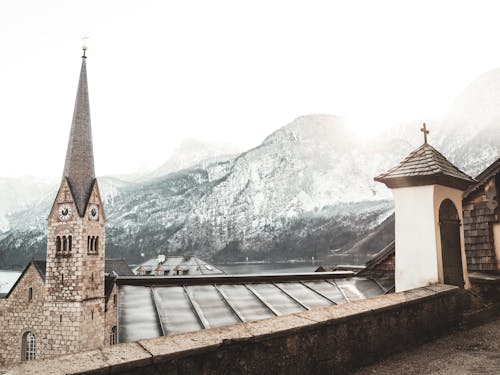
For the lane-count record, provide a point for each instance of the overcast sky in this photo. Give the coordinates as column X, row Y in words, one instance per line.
column 226, row 71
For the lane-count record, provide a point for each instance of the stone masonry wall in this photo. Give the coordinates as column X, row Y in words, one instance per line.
column 55, row 324
column 110, row 316
column 330, row 340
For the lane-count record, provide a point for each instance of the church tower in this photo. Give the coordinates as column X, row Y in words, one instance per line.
column 75, row 241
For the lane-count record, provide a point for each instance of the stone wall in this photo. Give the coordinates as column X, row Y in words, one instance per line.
column 110, row 316
column 330, row 340
column 55, row 324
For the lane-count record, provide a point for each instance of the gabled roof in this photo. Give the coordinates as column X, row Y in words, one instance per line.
column 39, row 266
column 484, row 176
column 382, row 255
column 118, row 266
column 79, row 164
column 425, row 166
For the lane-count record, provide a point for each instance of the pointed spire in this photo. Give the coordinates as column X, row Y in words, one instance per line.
column 79, row 165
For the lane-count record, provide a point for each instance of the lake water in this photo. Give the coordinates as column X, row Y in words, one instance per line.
column 8, row 278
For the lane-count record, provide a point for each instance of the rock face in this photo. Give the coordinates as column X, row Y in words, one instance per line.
column 307, row 190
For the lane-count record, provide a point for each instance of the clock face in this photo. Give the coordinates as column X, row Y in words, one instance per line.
column 64, row 212
column 94, row 212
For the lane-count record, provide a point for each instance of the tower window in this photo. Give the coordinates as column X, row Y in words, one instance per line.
column 28, row 350
column 114, row 299
column 62, row 278
column 30, row 294
column 70, row 243
column 58, row 244
column 92, row 243
column 92, row 315
column 112, row 336
column 64, row 244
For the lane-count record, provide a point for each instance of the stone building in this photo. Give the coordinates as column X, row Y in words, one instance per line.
column 64, row 305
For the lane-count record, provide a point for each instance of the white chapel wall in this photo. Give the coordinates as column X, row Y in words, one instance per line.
column 416, row 260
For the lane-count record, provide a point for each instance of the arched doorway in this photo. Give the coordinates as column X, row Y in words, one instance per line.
column 449, row 223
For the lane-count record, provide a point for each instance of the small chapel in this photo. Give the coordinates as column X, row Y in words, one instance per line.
column 64, row 304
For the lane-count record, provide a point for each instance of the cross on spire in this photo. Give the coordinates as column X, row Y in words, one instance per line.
column 84, row 47
column 425, row 131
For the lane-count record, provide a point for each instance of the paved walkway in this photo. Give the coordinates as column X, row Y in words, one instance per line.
column 475, row 351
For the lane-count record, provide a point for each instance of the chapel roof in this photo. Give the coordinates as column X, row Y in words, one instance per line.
column 425, row 166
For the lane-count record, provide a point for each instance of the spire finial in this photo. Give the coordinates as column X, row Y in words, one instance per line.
column 425, row 131
column 84, row 47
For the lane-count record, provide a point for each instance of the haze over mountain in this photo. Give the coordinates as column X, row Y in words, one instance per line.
column 307, row 190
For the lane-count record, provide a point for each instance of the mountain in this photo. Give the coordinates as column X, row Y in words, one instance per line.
column 307, row 190
column 193, row 152
column 470, row 131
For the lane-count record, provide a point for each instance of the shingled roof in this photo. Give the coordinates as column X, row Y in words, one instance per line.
column 425, row 166
column 484, row 176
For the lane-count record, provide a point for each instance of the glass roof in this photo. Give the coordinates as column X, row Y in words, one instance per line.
column 151, row 311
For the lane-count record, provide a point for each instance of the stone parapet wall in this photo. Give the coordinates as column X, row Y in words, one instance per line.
column 326, row 340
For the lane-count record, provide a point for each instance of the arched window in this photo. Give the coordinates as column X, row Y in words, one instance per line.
column 88, row 244
column 96, row 243
column 112, row 336
column 58, row 244
column 70, row 243
column 28, row 346
column 65, row 244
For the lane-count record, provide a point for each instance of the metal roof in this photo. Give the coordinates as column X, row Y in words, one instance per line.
column 152, row 307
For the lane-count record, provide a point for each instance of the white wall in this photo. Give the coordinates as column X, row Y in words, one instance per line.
column 418, row 240
column 416, row 260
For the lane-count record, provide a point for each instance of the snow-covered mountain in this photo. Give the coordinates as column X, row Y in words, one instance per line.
column 307, row 190
column 193, row 152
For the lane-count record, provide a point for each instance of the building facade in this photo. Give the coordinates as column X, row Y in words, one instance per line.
column 63, row 305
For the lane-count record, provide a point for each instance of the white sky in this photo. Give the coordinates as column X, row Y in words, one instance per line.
column 229, row 71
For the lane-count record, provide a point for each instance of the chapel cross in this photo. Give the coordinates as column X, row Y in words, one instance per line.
column 425, row 131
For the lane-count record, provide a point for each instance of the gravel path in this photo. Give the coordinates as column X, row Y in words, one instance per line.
column 473, row 351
